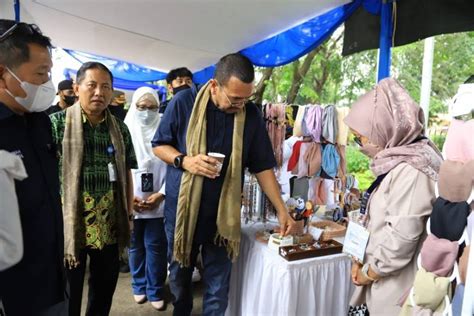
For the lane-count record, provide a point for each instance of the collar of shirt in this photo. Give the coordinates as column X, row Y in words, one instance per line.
column 85, row 119
column 5, row 111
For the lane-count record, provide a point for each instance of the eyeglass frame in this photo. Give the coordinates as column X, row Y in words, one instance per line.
column 357, row 140
column 33, row 28
column 237, row 104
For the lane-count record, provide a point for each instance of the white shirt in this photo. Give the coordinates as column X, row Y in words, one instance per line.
column 11, row 239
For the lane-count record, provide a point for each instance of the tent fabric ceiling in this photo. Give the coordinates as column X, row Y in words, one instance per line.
column 275, row 51
column 166, row 34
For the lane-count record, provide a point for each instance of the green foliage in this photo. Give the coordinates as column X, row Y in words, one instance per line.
column 452, row 65
column 332, row 79
column 356, row 161
column 358, row 165
column 365, row 179
column 439, row 140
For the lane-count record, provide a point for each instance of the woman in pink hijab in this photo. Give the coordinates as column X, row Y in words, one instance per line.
column 388, row 126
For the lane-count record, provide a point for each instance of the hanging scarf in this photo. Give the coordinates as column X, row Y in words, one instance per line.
column 314, row 120
column 189, row 199
column 72, row 151
column 275, row 119
column 329, row 131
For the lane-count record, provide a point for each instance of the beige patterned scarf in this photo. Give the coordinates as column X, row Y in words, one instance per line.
column 392, row 120
column 72, row 154
column 228, row 212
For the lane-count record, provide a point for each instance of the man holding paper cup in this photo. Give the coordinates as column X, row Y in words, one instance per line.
column 208, row 140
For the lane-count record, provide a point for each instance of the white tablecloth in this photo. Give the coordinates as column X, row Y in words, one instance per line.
column 263, row 283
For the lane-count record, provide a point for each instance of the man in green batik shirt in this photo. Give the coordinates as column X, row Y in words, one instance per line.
column 96, row 155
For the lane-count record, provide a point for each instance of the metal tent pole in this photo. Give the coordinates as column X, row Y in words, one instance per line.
column 426, row 77
column 16, row 5
column 385, row 55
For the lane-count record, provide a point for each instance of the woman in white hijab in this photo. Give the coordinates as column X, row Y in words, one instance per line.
column 148, row 249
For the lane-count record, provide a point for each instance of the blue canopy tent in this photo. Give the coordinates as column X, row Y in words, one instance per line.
column 277, row 50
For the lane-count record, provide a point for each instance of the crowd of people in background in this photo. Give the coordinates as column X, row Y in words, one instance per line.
column 89, row 179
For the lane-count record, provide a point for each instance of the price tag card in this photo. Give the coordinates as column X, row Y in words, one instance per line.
column 315, row 232
column 356, row 241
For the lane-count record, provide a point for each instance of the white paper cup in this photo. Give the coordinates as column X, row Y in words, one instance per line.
column 218, row 156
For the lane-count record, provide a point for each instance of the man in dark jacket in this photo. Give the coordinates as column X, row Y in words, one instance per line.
column 35, row 285
column 66, row 97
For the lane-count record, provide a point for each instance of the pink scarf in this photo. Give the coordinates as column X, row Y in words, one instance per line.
column 390, row 119
column 459, row 144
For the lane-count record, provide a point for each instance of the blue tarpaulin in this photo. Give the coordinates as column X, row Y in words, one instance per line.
column 290, row 45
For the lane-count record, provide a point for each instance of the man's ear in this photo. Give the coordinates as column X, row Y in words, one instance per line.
column 214, row 86
column 170, row 89
column 3, row 70
column 75, row 87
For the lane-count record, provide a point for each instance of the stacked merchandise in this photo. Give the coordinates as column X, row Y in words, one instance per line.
column 309, row 145
column 313, row 163
column 250, row 198
column 448, row 238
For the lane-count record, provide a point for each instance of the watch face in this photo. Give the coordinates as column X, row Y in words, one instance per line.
column 177, row 161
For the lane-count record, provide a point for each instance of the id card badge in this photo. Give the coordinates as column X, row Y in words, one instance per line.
column 147, row 182
column 356, row 241
column 112, row 172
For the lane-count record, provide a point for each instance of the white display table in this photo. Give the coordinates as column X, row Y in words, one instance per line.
column 263, row 283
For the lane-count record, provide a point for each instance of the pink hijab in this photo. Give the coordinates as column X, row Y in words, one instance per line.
column 389, row 118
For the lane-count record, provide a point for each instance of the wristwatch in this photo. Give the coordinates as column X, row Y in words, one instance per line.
column 178, row 161
column 365, row 272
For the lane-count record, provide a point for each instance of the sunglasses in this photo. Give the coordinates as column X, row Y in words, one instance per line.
column 357, row 140
column 25, row 27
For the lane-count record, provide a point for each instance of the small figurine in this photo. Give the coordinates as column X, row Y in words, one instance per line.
column 308, row 211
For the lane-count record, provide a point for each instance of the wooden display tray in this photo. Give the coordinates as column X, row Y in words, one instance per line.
column 329, row 247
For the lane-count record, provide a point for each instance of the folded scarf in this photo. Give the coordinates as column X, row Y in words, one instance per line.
column 314, row 120
column 189, row 199
column 295, row 156
column 456, row 180
column 429, row 292
column 448, row 219
column 330, row 160
column 329, row 132
column 313, row 159
column 301, row 170
column 297, row 129
column 438, row 255
column 342, row 128
column 317, row 191
column 72, row 151
column 458, row 145
column 305, row 122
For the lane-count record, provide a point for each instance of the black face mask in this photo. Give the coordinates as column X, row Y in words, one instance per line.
column 183, row 87
column 69, row 99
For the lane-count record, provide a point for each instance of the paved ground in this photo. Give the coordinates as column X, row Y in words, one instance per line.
column 124, row 305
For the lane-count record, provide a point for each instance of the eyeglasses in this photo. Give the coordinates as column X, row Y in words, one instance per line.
column 358, row 141
column 30, row 28
column 239, row 103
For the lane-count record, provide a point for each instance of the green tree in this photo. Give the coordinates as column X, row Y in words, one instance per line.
column 325, row 77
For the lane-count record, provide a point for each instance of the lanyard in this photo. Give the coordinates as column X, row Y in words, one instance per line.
column 366, row 196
